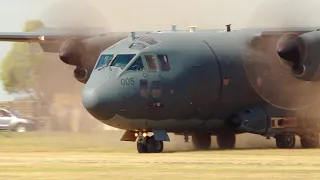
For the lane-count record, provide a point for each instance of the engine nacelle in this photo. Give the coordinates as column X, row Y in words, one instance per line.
column 81, row 74
column 301, row 53
column 72, row 51
column 253, row 120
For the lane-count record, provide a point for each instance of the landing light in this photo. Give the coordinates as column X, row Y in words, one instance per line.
column 144, row 134
column 42, row 38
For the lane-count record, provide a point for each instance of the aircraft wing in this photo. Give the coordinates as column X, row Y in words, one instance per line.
column 51, row 34
column 29, row 37
column 51, row 39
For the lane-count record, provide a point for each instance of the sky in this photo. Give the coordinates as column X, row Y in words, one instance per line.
column 128, row 15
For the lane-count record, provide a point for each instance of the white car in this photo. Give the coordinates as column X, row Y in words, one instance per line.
column 14, row 121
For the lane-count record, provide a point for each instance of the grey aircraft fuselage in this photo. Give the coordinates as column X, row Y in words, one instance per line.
column 198, row 83
column 202, row 84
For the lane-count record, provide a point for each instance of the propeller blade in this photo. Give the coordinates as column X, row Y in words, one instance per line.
column 269, row 74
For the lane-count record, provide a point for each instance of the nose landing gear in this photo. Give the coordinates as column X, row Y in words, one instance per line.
column 146, row 144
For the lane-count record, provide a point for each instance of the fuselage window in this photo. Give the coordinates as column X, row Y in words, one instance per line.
column 137, row 65
column 104, row 60
column 164, row 63
column 121, row 60
column 151, row 62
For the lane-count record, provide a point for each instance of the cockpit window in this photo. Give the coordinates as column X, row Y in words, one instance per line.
column 104, row 60
column 151, row 62
column 137, row 65
column 164, row 63
column 121, row 60
column 149, row 40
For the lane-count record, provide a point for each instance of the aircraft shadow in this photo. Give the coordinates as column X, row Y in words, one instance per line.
column 236, row 149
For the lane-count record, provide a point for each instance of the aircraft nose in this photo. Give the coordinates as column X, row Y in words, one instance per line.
column 99, row 102
column 90, row 99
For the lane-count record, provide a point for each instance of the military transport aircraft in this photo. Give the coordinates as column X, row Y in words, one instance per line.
column 195, row 83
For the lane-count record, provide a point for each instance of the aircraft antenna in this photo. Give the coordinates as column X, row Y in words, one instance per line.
column 133, row 35
column 174, row 27
column 228, row 27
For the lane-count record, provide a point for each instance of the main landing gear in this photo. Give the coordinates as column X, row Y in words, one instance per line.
column 202, row 141
column 288, row 140
column 226, row 140
column 146, row 144
column 309, row 140
column 285, row 140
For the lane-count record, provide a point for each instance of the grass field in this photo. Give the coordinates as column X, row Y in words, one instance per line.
column 69, row 156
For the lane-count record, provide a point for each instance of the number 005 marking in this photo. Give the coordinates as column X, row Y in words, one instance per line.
column 127, row 81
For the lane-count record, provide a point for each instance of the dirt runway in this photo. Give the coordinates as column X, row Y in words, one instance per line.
column 79, row 156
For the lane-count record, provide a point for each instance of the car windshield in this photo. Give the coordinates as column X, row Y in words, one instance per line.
column 122, row 60
column 104, row 60
column 14, row 112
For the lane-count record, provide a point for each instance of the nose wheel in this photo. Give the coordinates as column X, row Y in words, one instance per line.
column 149, row 145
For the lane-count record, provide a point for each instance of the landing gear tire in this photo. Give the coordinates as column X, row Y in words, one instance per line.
column 154, row 146
column 150, row 146
column 285, row 140
column 201, row 141
column 309, row 140
column 226, row 140
column 142, row 148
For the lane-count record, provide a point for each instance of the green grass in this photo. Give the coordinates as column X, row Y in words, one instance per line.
column 79, row 156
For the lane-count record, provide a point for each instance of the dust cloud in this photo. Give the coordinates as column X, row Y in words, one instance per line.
column 284, row 13
column 125, row 15
column 74, row 14
column 61, row 92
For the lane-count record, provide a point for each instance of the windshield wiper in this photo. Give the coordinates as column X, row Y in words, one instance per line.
column 103, row 66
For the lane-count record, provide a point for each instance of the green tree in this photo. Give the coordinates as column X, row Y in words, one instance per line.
column 19, row 69
column 27, row 69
